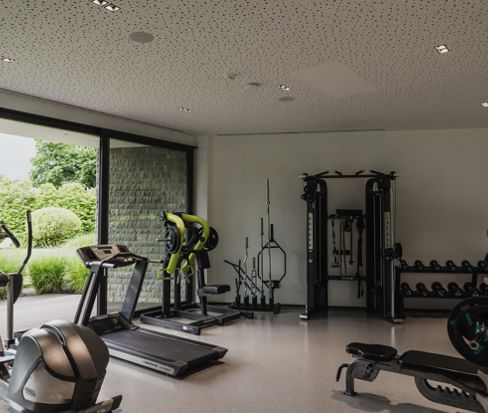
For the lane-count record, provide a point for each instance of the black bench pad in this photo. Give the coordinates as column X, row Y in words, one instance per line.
column 452, row 367
column 216, row 289
column 373, row 352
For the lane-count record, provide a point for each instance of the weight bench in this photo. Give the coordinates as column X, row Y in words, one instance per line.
column 466, row 385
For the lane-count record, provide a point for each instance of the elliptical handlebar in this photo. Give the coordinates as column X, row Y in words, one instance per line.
column 8, row 234
column 29, row 243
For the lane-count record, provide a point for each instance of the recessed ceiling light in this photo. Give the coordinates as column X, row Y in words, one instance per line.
column 284, row 88
column 184, row 109
column 112, row 7
column 286, row 99
column 485, row 104
column 442, row 49
column 101, row 2
column 6, row 59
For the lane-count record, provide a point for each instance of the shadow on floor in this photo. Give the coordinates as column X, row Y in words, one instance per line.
column 367, row 402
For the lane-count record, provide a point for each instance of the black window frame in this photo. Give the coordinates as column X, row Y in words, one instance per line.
column 105, row 135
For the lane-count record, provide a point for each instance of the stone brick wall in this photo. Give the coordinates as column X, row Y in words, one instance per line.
column 143, row 182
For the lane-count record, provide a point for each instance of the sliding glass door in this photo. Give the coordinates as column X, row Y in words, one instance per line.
column 143, row 181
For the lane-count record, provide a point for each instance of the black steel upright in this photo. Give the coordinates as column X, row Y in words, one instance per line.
column 382, row 297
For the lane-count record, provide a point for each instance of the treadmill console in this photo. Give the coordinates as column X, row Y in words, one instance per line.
column 113, row 254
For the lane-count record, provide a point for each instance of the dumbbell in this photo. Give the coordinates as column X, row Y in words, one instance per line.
column 435, row 266
column 403, row 264
column 482, row 266
column 467, row 266
column 438, row 289
column 422, row 290
column 471, row 290
column 451, row 267
column 419, row 266
column 484, row 289
column 454, row 290
column 406, row 290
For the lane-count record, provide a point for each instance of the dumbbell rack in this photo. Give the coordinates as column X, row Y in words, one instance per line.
column 399, row 270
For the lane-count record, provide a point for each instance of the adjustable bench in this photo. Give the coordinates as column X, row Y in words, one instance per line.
column 466, row 385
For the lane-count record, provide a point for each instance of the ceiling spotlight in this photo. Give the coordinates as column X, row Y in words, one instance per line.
column 6, row 59
column 100, row 2
column 184, row 109
column 442, row 49
column 485, row 104
column 284, row 88
column 112, row 7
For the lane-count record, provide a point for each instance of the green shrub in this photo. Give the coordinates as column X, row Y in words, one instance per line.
column 47, row 274
column 53, row 226
column 83, row 240
column 76, row 275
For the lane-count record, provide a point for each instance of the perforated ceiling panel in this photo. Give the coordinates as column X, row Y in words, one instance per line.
column 79, row 53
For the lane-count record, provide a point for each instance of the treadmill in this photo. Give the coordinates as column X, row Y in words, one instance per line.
column 171, row 355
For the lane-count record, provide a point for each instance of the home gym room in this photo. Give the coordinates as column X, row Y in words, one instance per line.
column 243, row 205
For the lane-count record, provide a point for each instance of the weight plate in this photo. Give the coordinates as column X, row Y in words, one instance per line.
column 467, row 326
column 213, row 240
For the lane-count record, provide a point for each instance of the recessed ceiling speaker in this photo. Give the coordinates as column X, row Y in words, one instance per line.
column 286, row 99
column 141, row 37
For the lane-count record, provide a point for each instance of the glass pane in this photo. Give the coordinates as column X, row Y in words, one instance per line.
column 144, row 181
column 53, row 173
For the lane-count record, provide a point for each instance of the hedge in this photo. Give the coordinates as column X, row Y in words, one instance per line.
column 17, row 197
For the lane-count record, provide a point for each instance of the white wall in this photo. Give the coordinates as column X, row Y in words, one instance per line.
column 42, row 107
column 442, row 193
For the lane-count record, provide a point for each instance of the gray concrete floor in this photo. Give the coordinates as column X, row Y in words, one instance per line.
column 274, row 364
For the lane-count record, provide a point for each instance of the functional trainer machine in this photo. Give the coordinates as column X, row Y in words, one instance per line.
column 59, row 367
column 382, row 298
column 458, row 382
column 185, row 261
column 161, row 352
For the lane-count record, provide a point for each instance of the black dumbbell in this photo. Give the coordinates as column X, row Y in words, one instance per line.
column 435, row 266
column 471, row 290
column 482, row 266
column 484, row 289
column 403, row 264
column 467, row 266
column 419, row 266
column 406, row 290
column 438, row 289
column 422, row 290
column 454, row 290
column 451, row 267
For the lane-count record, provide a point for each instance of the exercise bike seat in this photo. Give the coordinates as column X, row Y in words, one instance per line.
column 215, row 289
column 373, row 352
column 454, row 368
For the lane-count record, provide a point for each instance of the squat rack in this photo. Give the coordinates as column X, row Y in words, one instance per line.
column 381, row 296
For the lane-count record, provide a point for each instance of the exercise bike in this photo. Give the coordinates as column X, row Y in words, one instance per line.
column 459, row 382
column 59, row 367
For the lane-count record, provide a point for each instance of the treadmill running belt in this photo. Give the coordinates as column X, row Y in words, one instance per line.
column 185, row 354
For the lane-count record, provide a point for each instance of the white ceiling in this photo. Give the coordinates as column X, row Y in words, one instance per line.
column 78, row 53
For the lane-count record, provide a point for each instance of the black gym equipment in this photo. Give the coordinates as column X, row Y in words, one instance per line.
column 382, row 296
column 454, row 290
column 484, row 289
column 451, row 266
column 260, row 284
column 161, row 352
column 406, row 290
column 461, row 383
column 59, row 367
column 190, row 261
column 435, row 266
column 422, row 290
column 419, row 265
column 467, row 266
column 438, row 290
column 471, row 289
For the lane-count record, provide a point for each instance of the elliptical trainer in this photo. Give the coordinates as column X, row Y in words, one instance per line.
column 59, row 367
